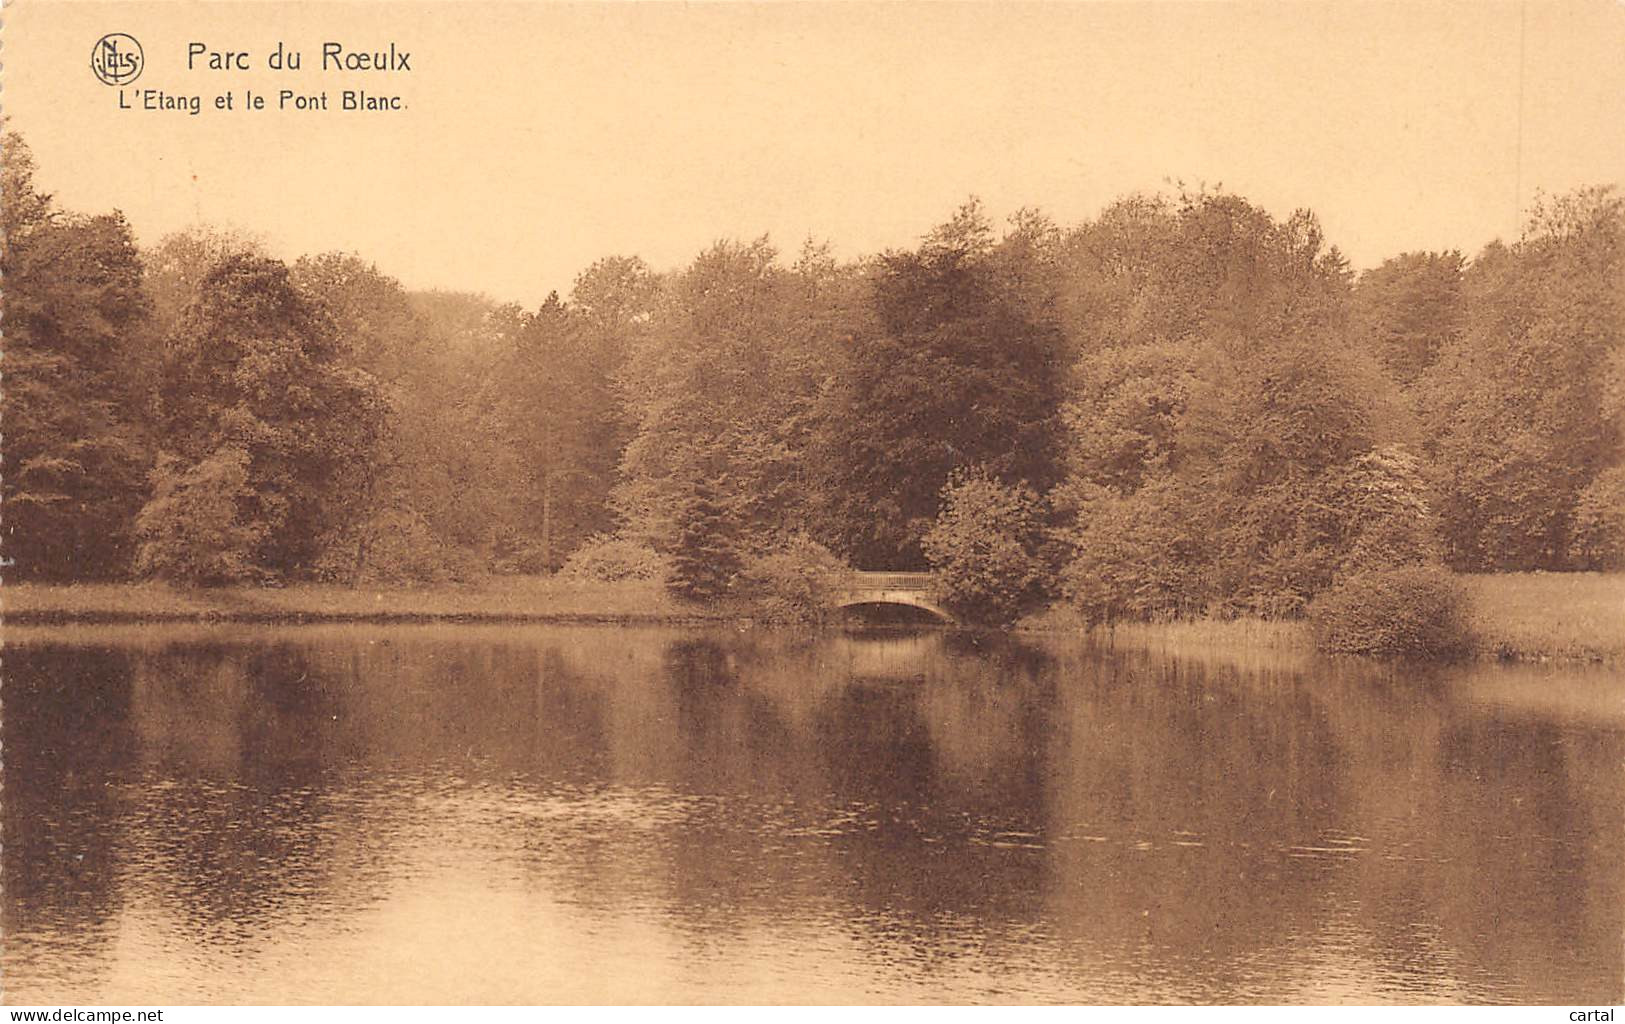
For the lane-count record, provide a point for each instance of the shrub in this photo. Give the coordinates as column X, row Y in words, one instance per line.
column 794, row 582
column 1418, row 611
column 614, row 560
column 987, row 550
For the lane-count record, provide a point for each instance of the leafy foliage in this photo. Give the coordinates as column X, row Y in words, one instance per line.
column 194, row 529
column 1409, row 310
column 1419, row 611
column 174, row 269
column 1139, row 556
column 953, row 372
column 987, row 549
column 75, row 419
column 255, row 367
column 718, row 392
column 394, row 545
column 793, row 582
column 1518, row 410
column 614, row 559
column 1226, row 437
column 1599, row 522
column 1381, row 497
column 1182, row 406
column 559, row 414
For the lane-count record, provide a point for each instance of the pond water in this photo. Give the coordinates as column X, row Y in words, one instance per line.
column 559, row 815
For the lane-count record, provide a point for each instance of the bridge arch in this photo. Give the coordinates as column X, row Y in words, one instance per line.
column 908, row 589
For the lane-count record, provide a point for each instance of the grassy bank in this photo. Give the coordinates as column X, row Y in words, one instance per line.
column 508, row 599
column 1549, row 616
column 1263, row 634
column 1515, row 616
column 1533, row 616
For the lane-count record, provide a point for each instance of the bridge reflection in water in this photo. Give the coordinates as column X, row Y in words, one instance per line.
column 535, row 813
column 908, row 589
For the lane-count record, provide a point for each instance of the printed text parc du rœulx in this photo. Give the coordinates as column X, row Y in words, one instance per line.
column 333, row 57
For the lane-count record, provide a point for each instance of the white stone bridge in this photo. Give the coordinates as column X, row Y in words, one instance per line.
column 912, row 589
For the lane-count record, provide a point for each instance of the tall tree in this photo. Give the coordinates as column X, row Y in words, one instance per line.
column 454, row 457
column 1218, row 410
column 562, row 416
column 255, row 367
column 1519, row 411
column 376, row 329
column 956, row 372
column 706, row 547
column 710, row 390
column 75, row 445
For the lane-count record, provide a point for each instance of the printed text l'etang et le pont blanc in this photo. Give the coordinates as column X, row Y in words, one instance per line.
column 332, row 57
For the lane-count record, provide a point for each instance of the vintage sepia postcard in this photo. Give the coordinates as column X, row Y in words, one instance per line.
column 587, row 504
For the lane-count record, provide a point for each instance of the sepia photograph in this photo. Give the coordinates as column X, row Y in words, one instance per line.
column 808, row 504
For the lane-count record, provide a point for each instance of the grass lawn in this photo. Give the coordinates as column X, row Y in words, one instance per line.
column 507, row 598
column 1525, row 616
column 1536, row 616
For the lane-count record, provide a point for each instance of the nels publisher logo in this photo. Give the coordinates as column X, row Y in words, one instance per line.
column 117, row 59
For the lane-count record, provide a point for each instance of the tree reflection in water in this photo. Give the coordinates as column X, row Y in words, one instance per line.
column 552, row 814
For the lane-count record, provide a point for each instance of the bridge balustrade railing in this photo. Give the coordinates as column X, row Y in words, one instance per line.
column 890, row 580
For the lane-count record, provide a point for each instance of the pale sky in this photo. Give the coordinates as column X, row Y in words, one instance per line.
column 539, row 137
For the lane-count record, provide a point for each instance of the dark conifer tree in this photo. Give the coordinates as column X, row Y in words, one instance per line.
column 707, row 556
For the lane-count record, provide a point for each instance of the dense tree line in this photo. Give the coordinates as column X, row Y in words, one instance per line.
column 1183, row 405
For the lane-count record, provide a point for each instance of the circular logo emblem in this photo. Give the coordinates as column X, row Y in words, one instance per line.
column 117, row 59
